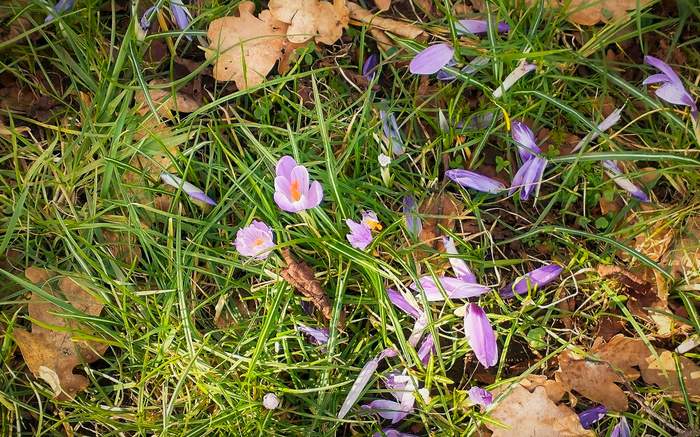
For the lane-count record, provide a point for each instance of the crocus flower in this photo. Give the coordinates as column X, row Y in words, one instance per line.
column 292, row 190
column 360, row 236
column 400, row 302
column 610, row 121
column 318, row 336
column 621, row 429
column 255, row 240
column 475, row 27
column 615, row 174
column 181, row 14
column 370, row 220
column 369, row 69
column 145, row 21
column 480, row 335
column 459, row 266
column 480, row 396
column 427, row 348
column 413, row 221
column 455, row 288
column 401, row 386
column 61, row 6
column 529, row 176
column 672, row 89
column 469, row 179
column 513, row 77
column 391, row 432
column 535, row 279
column 431, row 59
column 271, row 401
column 392, row 133
column 188, row 188
column 470, row 68
column 592, row 415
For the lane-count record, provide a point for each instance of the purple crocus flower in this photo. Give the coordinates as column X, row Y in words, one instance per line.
column 525, row 138
column 529, row 176
column 392, row 133
column 427, row 348
column 535, row 279
column 61, row 7
column 145, row 21
column 470, row 68
column 622, row 429
column 480, row 396
column 615, row 174
column 672, row 89
column 360, row 236
column 610, row 121
column 431, row 59
column 455, row 288
column 369, row 69
column 391, row 432
column 318, row 336
column 459, row 266
column 413, row 222
column 292, row 190
column 480, row 335
column 469, row 179
column 271, row 401
column 188, row 188
column 400, row 302
column 475, row 27
column 513, row 77
column 255, row 240
column 181, row 14
column 592, row 415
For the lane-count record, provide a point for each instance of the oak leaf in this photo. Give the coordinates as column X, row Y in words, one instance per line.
column 594, row 380
column 590, row 12
column 321, row 20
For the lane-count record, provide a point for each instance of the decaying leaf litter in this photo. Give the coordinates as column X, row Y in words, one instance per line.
column 608, row 320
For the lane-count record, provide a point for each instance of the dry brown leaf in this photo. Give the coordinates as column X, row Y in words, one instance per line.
column 399, row 28
column 122, row 246
column 594, row 380
column 383, row 5
column 321, row 20
column 555, row 390
column 534, row 414
column 590, row 12
column 439, row 209
column 165, row 100
column 6, row 131
column 683, row 258
column 245, row 48
column 51, row 354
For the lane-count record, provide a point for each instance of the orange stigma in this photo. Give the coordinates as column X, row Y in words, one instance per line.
column 258, row 242
column 294, row 190
column 373, row 225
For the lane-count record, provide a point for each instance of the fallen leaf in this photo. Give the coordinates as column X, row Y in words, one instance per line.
column 399, row 28
column 245, row 48
column 122, row 246
column 594, row 380
column 165, row 100
column 383, row 5
column 6, row 131
column 440, row 209
column 51, row 354
column 683, row 256
column 588, row 13
column 321, row 20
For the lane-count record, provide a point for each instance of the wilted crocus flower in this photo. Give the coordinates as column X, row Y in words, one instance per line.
column 529, row 176
column 475, row 27
column 271, row 401
column 391, row 432
column 480, row 335
column 480, row 396
column 413, row 222
column 400, row 302
column 455, row 288
column 318, row 336
column 181, row 14
column 592, row 415
column 188, row 188
column 255, row 240
column 535, row 279
column 672, row 89
column 621, row 429
column 431, row 59
column 61, row 6
column 513, row 77
column 292, row 190
column 392, row 133
column 360, row 236
column 615, row 174
column 369, row 69
column 427, row 348
column 610, row 121
column 525, row 138
column 459, row 266
column 145, row 21
column 475, row 181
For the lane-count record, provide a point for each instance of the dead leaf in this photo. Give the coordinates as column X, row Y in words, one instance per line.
column 534, row 415
column 683, row 256
column 9, row 132
column 51, row 354
column 440, row 209
column 245, row 48
column 165, row 100
column 399, row 28
column 594, row 380
column 321, row 20
column 122, row 246
column 383, row 5
column 588, row 13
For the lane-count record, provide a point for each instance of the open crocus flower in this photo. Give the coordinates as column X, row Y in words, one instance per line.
column 188, row 188
column 475, row 181
column 369, row 68
column 475, row 27
column 480, row 396
column 360, row 236
column 432, row 59
column 391, row 432
column 614, row 172
column 255, row 240
column 361, row 381
column 370, row 220
column 413, row 221
column 622, row 429
column 513, row 77
column 531, row 281
column 671, row 88
column 292, row 190
column 592, row 415
column 529, row 176
column 392, row 133
column 61, row 7
column 271, row 401
column 610, row 121
column 480, row 335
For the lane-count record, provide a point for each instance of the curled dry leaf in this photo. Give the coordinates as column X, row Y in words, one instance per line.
column 245, row 48
column 51, row 354
column 588, row 13
column 399, row 28
column 165, row 100
column 321, row 20
column 383, row 5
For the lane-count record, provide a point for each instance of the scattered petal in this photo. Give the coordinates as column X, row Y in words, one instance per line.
column 387, row 409
column 532, row 281
column 431, row 59
column 400, row 302
column 271, row 401
column 480, row 396
column 255, row 240
column 459, row 266
column 480, row 335
column 455, row 288
column 469, row 179
column 188, row 188
column 318, row 336
column 384, row 160
column 427, row 348
column 529, row 177
column 610, row 121
column 181, row 14
column 615, row 174
column 369, row 69
column 358, row 386
column 146, row 19
column 475, row 27
column 592, row 415
column 513, row 77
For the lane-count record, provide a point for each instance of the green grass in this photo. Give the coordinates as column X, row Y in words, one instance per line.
column 185, row 357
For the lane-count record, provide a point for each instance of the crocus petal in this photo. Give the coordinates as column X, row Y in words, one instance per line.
column 455, row 288
column 387, row 409
column 592, row 415
column 315, row 195
column 413, row 222
column 480, row 335
column 609, row 121
column 181, row 14
column 360, row 236
column 318, row 336
column 427, row 348
column 255, row 240
column 535, row 279
column 480, row 396
column 469, row 179
column 188, row 188
column 470, row 68
column 614, row 172
column 673, row 90
column 674, row 94
column 400, row 302
column 431, row 59
column 444, row 76
column 655, row 78
column 418, row 327
column 61, row 6
column 271, row 401
column 529, row 177
column 475, row 27
column 621, row 429
column 513, row 77
column 391, row 432
column 459, row 266
column 526, row 138
column 285, row 166
column 665, row 68
column 358, row 386
column 392, row 134
column 145, row 21
column 369, row 69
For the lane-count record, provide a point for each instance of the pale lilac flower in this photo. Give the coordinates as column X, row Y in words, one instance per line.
column 358, row 386
column 400, row 302
column 391, row 432
column 292, row 190
column 181, row 14
column 370, row 220
column 524, row 136
column 535, row 279
column 454, row 288
column 621, row 429
column 369, row 69
column 480, row 396
column 413, row 221
column 480, row 335
column 475, row 181
column 360, row 236
column 431, row 59
column 61, row 7
column 592, row 415
column 255, row 240
column 513, row 77
column 188, row 188
column 475, row 27
column 401, row 386
column 145, row 21
column 615, row 174
column 271, row 401
column 529, row 177
column 318, row 336
column 459, row 266
column 672, row 89
column 392, row 134
column 610, row 121
column 427, row 348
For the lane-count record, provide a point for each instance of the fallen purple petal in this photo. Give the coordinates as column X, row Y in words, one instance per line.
column 475, row 27
column 614, row 172
column 528, row 178
column 427, row 348
column 390, row 410
column 413, row 222
column 610, row 121
column 358, row 386
column 146, row 19
column 181, row 14
column 188, row 188
column 622, row 429
column 524, row 136
column 391, row 432
column 61, row 7
column 369, row 68
column 531, row 281
column 513, row 77
column 480, row 335
column 431, row 59
column 400, row 302
column 459, row 266
column 592, row 415
column 455, row 288
column 318, row 336
column 475, row 181
column 470, row 68
column 480, row 396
